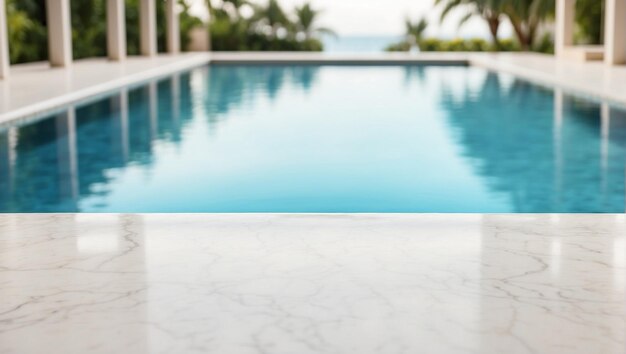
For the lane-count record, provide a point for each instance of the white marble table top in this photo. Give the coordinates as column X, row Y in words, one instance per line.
column 206, row 283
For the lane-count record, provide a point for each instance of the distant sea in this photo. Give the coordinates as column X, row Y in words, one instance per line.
column 358, row 44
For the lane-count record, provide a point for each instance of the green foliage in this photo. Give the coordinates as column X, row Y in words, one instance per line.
column 525, row 16
column 271, row 15
column 589, row 15
column 270, row 28
column 415, row 31
column 432, row 45
column 477, row 45
column 88, row 28
column 456, row 45
column 491, row 11
column 413, row 36
column 403, row 46
column 509, row 45
column 28, row 38
column 306, row 18
column 545, row 44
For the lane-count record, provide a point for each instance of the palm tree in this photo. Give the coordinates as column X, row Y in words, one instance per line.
column 306, row 21
column 489, row 10
column 271, row 15
column 415, row 31
column 227, row 7
column 235, row 3
column 526, row 16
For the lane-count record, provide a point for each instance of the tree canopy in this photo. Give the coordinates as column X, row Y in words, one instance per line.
column 269, row 27
column 527, row 18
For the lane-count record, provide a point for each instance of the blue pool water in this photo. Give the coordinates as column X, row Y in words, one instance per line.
column 321, row 139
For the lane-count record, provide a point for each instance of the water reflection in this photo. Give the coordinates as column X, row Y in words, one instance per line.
column 543, row 150
column 240, row 86
column 50, row 164
column 505, row 133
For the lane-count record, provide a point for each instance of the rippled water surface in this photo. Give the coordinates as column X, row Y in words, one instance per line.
column 321, row 139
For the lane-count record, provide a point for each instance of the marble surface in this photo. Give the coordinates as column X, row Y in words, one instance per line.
column 251, row 283
column 588, row 79
column 34, row 89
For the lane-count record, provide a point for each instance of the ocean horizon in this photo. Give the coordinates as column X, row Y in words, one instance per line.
column 366, row 43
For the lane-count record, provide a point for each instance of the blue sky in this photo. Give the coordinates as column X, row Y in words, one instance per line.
column 384, row 17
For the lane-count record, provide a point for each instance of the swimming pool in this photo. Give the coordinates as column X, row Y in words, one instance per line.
column 305, row 138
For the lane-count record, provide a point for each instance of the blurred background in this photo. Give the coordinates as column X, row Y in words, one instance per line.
column 334, row 26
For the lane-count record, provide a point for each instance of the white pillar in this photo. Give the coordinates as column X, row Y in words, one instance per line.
column 59, row 32
column 147, row 27
column 199, row 39
column 615, row 32
column 173, row 27
column 564, row 35
column 4, row 42
column 116, row 29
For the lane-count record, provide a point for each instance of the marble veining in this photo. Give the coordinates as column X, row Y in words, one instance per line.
column 306, row 283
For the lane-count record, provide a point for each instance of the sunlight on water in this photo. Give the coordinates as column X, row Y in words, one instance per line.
column 321, row 139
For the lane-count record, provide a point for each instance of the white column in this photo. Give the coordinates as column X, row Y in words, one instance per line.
column 564, row 36
column 59, row 32
column 147, row 27
column 615, row 32
column 116, row 29
column 173, row 27
column 4, row 42
column 199, row 39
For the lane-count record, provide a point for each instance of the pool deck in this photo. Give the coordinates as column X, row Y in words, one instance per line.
column 35, row 89
column 590, row 79
column 271, row 283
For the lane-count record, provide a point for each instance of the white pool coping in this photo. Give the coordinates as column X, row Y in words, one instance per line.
column 589, row 79
column 34, row 89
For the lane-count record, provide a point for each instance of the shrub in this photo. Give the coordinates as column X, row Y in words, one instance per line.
column 466, row 45
column 403, row 46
